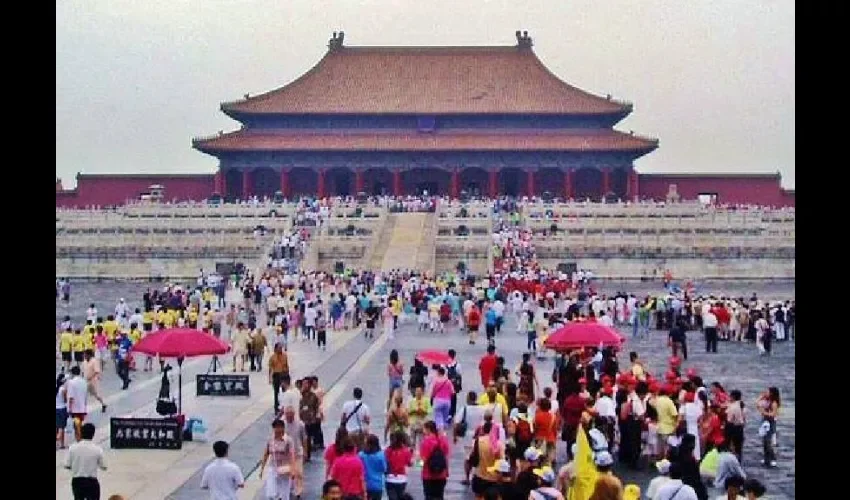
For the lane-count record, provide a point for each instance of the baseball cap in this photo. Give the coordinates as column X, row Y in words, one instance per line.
column 502, row 466
column 545, row 473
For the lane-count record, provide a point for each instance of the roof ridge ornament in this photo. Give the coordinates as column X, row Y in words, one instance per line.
column 335, row 43
column 523, row 41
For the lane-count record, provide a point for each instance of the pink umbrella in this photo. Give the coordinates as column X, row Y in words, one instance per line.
column 575, row 335
column 434, row 357
column 180, row 343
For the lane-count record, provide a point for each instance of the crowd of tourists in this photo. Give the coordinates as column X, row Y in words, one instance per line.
column 507, row 421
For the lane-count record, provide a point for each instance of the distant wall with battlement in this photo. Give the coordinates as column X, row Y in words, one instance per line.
column 111, row 190
column 730, row 189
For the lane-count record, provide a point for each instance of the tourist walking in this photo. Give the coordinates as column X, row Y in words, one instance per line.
column 768, row 406
column 442, row 391
column 395, row 373
column 84, row 459
column 278, row 368
column 434, row 452
column 76, row 391
column 280, row 450
column 398, row 457
column 356, row 417
column 297, row 433
column 92, row 372
column 222, row 477
column 61, row 409
column 374, row 467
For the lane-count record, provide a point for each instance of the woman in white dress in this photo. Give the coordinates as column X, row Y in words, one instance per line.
column 282, row 453
column 690, row 414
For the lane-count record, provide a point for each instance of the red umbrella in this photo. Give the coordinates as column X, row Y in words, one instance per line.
column 576, row 335
column 180, row 343
column 434, row 357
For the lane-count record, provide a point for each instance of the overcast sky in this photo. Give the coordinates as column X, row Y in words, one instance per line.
column 136, row 80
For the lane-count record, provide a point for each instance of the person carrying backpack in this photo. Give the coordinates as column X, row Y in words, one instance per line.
column 434, row 451
column 453, row 372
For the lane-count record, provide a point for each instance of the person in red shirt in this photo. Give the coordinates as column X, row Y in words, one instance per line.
column 713, row 432
column 399, row 458
column 433, row 481
column 487, row 365
column 348, row 471
column 473, row 322
column 572, row 409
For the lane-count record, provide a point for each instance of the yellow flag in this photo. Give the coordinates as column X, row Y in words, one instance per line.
column 585, row 469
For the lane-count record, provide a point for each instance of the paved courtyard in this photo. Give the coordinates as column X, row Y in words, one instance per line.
column 352, row 361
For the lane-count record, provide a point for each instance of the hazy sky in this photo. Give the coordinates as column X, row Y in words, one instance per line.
column 136, row 80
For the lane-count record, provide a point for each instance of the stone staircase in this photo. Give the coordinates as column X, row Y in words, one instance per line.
column 406, row 241
column 375, row 257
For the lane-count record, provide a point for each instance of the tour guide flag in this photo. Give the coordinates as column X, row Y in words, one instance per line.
column 585, row 470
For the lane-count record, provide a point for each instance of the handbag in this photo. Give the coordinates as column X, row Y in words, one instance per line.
column 475, row 456
column 462, row 427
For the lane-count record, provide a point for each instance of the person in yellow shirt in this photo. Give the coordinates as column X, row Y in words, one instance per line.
column 492, row 398
column 110, row 327
column 135, row 334
column 147, row 320
column 78, row 344
column 66, row 340
column 193, row 318
column 668, row 417
column 395, row 304
column 161, row 318
column 88, row 340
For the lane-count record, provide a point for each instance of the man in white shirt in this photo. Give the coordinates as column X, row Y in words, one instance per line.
column 709, row 325
column 77, row 391
column 222, row 477
column 499, row 308
column 310, row 315
column 83, row 460
column 657, row 482
column 675, row 489
column 291, row 395
column 605, row 319
column 356, row 416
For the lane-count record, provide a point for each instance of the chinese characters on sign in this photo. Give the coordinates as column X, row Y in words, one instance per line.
column 211, row 384
column 145, row 433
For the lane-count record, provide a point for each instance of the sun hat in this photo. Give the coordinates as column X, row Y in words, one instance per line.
column 603, row 459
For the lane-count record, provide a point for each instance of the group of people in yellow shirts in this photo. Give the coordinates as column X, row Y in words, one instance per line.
column 100, row 337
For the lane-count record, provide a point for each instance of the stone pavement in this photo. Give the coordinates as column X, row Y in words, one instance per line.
column 736, row 366
column 352, row 361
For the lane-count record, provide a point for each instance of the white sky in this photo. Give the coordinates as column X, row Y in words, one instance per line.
column 136, row 80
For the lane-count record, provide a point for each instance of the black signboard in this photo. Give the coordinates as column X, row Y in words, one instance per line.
column 145, row 434
column 212, row 384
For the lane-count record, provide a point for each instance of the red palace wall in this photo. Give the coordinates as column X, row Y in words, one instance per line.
column 736, row 189
column 103, row 190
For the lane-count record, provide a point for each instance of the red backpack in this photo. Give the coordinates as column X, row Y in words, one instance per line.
column 523, row 431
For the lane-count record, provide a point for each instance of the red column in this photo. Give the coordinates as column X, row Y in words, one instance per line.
column 634, row 183
column 568, row 184
column 455, row 187
column 396, row 182
column 358, row 181
column 320, row 183
column 606, row 181
column 217, row 183
column 247, row 181
column 493, row 177
column 284, row 182
column 529, row 177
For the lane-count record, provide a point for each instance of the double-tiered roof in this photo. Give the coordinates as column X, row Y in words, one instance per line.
column 427, row 81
